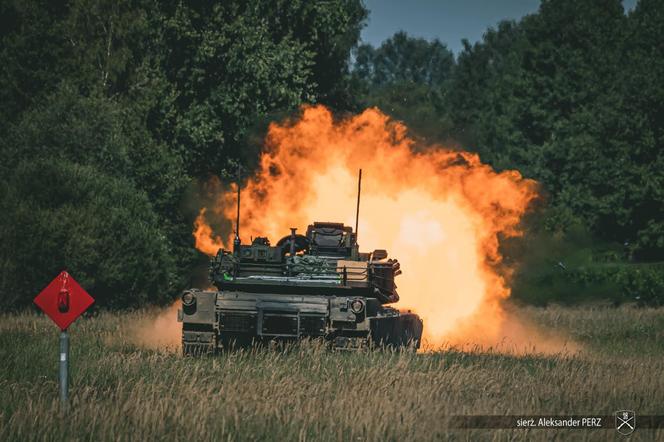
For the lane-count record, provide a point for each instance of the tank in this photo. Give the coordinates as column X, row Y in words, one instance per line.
column 317, row 285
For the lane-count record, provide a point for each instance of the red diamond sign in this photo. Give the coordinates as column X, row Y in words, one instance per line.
column 64, row 300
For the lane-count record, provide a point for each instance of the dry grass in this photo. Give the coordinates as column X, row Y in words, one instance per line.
column 122, row 392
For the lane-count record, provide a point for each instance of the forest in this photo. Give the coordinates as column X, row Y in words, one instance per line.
column 113, row 114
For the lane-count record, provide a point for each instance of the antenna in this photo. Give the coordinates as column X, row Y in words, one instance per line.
column 357, row 211
column 236, row 241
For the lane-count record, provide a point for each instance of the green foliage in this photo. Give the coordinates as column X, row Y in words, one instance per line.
column 102, row 229
column 329, row 29
column 224, row 71
column 230, row 63
column 112, row 109
column 407, row 77
column 102, row 133
column 637, row 283
column 569, row 114
column 201, row 72
column 570, row 96
column 31, row 48
column 100, row 46
column 404, row 59
column 569, row 266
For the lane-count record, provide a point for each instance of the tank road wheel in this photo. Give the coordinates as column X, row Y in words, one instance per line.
column 235, row 341
column 401, row 333
column 197, row 349
column 188, row 349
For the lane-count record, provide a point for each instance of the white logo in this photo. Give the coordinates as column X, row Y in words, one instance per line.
column 625, row 422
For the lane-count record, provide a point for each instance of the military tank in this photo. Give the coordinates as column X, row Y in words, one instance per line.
column 317, row 285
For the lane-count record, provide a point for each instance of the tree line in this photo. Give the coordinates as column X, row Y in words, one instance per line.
column 112, row 111
column 571, row 96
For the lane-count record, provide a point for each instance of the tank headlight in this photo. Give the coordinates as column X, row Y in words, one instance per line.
column 188, row 299
column 357, row 306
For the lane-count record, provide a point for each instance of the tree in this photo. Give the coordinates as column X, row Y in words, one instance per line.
column 407, row 78
column 547, row 96
column 62, row 215
column 638, row 125
column 147, row 96
column 404, row 59
column 231, row 63
column 100, row 132
column 99, row 46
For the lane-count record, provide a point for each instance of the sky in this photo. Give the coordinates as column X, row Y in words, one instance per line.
column 447, row 20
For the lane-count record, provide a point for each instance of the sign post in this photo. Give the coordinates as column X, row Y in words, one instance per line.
column 64, row 375
column 64, row 300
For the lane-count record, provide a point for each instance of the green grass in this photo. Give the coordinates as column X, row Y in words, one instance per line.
column 121, row 391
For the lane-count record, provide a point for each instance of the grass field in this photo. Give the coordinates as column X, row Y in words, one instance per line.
column 121, row 391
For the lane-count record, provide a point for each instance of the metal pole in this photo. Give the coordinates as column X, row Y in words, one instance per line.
column 64, row 361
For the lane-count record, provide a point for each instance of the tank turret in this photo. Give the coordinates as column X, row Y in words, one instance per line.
column 327, row 256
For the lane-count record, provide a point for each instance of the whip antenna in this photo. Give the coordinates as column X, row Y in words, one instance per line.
column 236, row 241
column 357, row 210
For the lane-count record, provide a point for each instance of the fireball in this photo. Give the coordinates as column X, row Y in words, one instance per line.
column 440, row 211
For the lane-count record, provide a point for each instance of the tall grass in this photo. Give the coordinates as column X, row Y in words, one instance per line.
column 121, row 391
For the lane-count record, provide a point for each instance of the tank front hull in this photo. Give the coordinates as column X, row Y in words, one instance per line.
column 224, row 320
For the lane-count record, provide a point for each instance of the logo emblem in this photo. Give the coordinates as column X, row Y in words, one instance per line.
column 625, row 422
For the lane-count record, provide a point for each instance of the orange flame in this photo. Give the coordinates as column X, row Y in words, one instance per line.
column 206, row 241
column 440, row 212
